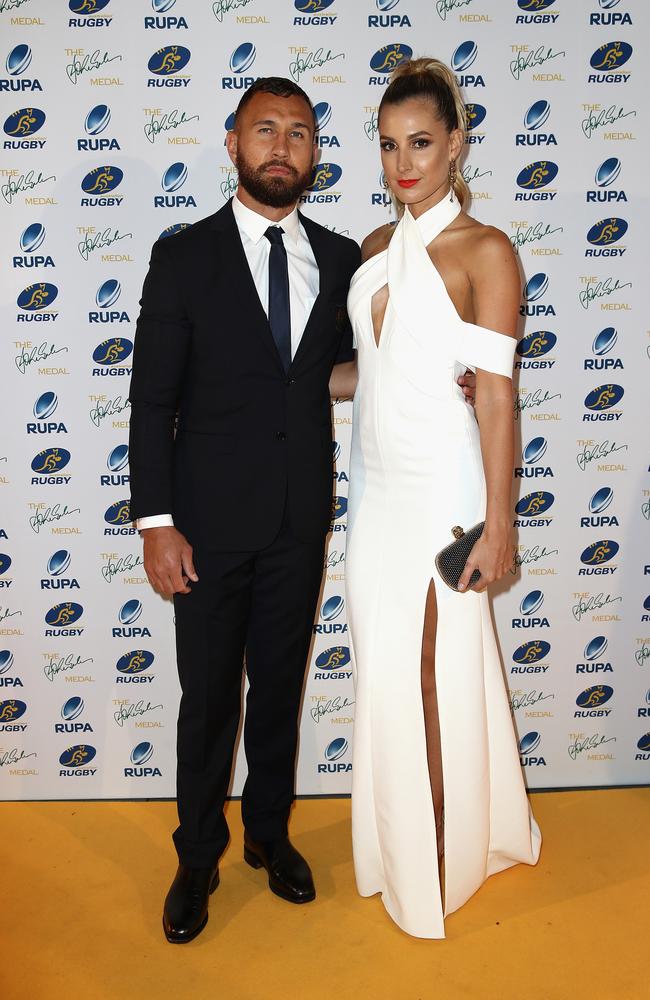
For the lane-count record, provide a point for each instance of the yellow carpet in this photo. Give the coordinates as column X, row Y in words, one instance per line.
column 83, row 884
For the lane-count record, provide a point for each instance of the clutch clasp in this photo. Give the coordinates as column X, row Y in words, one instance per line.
column 457, row 532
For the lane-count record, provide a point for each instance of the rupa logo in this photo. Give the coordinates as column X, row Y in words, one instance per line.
column 534, row 120
column 529, row 755
column 462, row 59
column 528, row 609
column 607, row 16
column 106, row 296
column 173, row 178
column 44, row 407
column 536, row 288
column 532, row 456
column 140, row 757
column 160, row 21
column 96, row 122
column 127, row 616
column 604, row 342
column 330, row 611
column 17, row 63
column 323, row 115
column 241, row 60
column 6, row 663
column 57, row 568
column 118, row 459
column 386, row 20
column 593, row 657
column 70, row 712
column 32, row 240
column 333, row 753
column 606, row 175
column 600, row 502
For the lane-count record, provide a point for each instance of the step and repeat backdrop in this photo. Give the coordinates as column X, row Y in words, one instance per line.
column 113, row 121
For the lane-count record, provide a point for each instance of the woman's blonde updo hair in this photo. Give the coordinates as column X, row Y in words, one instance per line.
column 432, row 80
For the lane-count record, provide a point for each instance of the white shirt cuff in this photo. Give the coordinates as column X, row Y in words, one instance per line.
column 154, row 521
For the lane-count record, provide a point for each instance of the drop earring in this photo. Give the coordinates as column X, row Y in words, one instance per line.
column 452, row 179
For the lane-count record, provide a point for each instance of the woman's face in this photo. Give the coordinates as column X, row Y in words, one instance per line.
column 416, row 151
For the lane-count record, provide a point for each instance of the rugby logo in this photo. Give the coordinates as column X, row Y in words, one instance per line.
column 598, row 553
column 594, row 697
column 474, row 116
column 333, row 658
column 534, row 504
column 537, row 344
column 604, row 397
column 533, row 178
column 118, row 513
column 168, row 61
column 11, row 710
column 610, row 56
column 135, row 661
column 87, row 7
column 178, row 227
column 50, row 461
column 101, row 180
column 388, row 57
column 23, row 123
column 63, row 615
column 113, row 351
column 77, row 757
column 37, row 297
column 532, row 651
column 324, row 176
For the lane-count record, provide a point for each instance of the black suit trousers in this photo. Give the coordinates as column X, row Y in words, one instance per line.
column 258, row 604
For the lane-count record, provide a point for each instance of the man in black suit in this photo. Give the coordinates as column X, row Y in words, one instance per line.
column 240, row 327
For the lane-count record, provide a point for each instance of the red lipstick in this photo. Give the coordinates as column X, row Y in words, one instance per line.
column 408, row 183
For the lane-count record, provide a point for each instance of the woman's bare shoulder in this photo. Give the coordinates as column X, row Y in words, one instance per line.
column 376, row 241
column 487, row 243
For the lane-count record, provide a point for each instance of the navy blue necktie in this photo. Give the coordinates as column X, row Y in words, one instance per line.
column 279, row 313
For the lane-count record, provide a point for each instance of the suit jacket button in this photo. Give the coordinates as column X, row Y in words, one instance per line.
column 281, row 436
column 291, row 381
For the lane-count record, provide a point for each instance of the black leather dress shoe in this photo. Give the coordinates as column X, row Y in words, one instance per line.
column 289, row 874
column 186, row 906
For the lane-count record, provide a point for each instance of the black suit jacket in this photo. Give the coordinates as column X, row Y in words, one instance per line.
column 248, row 434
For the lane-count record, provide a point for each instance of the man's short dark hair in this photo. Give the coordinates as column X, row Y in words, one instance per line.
column 277, row 85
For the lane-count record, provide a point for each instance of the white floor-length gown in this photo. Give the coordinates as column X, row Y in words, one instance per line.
column 416, row 471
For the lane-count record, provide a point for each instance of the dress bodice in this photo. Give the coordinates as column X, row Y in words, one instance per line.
column 419, row 303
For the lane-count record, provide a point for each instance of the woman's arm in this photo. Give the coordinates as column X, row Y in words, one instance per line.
column 343, row 380
column 496, row 289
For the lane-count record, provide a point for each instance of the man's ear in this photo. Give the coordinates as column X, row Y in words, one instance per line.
column 231, row 145
column 316, row 153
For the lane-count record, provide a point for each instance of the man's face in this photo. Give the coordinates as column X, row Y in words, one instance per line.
column 273, row 148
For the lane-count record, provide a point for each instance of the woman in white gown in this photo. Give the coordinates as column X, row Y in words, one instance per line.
column 436, row 767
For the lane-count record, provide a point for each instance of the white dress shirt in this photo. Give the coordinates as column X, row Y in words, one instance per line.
column 303, row 283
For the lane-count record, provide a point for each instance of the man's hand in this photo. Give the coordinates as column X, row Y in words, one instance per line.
column 467, row 382
column 168, row 561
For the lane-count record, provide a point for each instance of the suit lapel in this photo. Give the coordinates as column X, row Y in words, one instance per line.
column 237, row 278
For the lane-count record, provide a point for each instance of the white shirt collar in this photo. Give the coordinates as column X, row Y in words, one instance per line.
column 255, row 225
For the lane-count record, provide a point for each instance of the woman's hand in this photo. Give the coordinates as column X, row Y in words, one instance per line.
column 492, row 556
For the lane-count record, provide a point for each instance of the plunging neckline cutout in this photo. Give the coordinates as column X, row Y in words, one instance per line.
column 378, row 331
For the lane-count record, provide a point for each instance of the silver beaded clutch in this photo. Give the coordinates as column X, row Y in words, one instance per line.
column 451, row 560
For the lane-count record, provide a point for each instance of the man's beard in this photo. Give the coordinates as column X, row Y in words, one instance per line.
column 267, row 189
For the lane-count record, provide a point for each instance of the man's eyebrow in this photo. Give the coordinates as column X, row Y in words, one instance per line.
column 273, row 121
